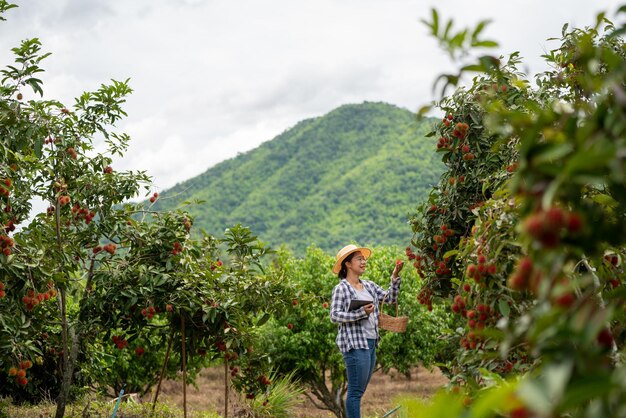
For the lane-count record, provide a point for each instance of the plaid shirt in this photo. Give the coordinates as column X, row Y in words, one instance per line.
column 351, row 333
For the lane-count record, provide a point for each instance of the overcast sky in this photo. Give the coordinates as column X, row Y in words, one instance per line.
column 212, row 78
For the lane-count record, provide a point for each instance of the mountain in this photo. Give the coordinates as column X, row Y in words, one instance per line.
column 353, row 174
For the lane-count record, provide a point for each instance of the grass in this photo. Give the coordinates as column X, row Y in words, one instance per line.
column 97, row 408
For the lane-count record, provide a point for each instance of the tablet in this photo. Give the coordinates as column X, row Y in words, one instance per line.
column 357, row 303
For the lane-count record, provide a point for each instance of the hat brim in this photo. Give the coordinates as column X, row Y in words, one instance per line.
column 366, row 252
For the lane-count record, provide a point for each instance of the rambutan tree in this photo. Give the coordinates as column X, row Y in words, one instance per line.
column 534, row 266
column 93, row 289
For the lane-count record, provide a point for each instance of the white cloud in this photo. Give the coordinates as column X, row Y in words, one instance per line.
column 212, row 78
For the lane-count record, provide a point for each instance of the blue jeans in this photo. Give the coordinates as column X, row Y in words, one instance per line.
column 359, row 367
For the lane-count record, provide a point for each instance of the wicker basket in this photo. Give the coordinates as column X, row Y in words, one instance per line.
column 392, row 323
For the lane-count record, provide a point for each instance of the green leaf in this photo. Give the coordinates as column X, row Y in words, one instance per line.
column 473, row 68
column 435, row 21
column 35, row 84
column 458, row 39
column 424, row 110
column 485, row 44
column 38, row 147
column 263, row 320
column 504, row 308
column 600, row 18
column 443, row 404
column 552, row 152
column 161, row 280
column 605, row 200
column 492, row 399
column 451, row 253
column 479, row 28
column 446, row 32
column 489, row 62
column 593, row 159
column 549, row 194
column 583, row 390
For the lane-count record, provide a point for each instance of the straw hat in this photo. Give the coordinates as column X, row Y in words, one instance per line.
column 346, row 251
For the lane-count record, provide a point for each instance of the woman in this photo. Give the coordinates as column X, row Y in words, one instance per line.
column 358, row 329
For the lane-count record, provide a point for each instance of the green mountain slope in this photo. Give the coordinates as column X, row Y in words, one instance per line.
column 351, row 175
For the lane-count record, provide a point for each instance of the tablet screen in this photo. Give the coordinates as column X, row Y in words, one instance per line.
column 357, row 303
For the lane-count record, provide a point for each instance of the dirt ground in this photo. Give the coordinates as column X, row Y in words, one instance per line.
column 377, row 400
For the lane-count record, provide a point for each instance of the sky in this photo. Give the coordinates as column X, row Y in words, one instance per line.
column 214, row 78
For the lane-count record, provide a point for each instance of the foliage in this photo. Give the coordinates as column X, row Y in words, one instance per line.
column 124, row 276
column 280, row 401
column 478, row 165
column 537, row 280
column 457, row 43
column 303, row 340
column 294, row 189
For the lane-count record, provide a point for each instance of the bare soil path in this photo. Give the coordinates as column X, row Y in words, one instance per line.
column 377, row 400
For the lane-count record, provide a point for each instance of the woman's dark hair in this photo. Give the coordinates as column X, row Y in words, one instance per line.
column 344, row 271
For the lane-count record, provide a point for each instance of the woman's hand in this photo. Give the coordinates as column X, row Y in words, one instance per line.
column 369, row 308
column 397, row 269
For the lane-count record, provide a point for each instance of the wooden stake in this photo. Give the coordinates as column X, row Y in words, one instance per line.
column 225, row 388
column 182, row 325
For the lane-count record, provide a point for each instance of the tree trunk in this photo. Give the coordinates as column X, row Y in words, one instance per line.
column 341, row 405
column 331, row 401
column 70, row 353
column 68, row 374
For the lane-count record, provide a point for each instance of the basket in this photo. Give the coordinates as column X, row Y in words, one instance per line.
column 392, row 323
